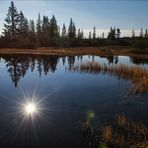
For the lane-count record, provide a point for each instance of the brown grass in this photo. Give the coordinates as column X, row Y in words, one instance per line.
column 115, row 50
column 125, row 134
column 122, row 133
column 107, row 134
column 135, row 74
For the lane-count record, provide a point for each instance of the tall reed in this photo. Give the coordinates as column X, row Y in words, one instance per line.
column 135, row 74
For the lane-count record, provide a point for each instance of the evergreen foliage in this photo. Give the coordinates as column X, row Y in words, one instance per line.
column 19, row 32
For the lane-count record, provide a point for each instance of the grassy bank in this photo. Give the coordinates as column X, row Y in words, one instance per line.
column 104, row 50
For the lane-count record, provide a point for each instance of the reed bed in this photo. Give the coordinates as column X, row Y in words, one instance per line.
column 125, row 133
column 122, row 133
column 135, row 74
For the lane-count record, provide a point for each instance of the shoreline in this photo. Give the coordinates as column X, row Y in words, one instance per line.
column 59, row 51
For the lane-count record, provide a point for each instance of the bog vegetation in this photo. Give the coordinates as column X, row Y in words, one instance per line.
column 122, row 133
column 19, row 32
column 135, row 74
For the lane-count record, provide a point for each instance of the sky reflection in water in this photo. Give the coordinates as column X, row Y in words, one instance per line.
column 63, row 98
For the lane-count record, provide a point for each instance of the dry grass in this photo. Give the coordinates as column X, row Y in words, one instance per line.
column 125, row 134
column 137, row 75
column 104, row 51
column 107, row 134
column 129, row 134
column 122, row 121
column 122, row 133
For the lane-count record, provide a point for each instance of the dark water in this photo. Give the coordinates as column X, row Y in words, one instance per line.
column 64, row 98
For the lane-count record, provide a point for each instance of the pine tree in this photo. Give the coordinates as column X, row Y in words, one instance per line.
column 89, row 35
column 11, row 22
column 133, row 33
column 112, row 33
column 71, row 30
column 146, row 33
column 45, row 24
column 141, row 33
column 38, row 25
column 103, row 35
column 118, row 33
column 23, row 27
column 79, row 34
column 64, row 35
column 82, row 34
column 32, row 35
column 94, row 33
column 45, row 35
column 39, row 28
column 54, row 30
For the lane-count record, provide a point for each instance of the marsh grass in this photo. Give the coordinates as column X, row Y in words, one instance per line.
column 107, row 134
column 125, row 133
column 135, row 74
column 122, row 133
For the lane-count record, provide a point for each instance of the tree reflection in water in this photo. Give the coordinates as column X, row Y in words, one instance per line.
column 18, row 65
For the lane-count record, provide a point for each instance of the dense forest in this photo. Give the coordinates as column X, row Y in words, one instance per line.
column 19, row 32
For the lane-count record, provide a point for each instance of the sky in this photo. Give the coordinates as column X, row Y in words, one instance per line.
column 125, row 14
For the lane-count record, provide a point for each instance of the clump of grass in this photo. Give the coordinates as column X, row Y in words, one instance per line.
column 137, row 75
column 122, row 121
column 123, row 133
column 107, row 134
column 126, row 133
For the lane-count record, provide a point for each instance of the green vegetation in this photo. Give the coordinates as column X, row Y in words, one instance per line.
column 19, row 32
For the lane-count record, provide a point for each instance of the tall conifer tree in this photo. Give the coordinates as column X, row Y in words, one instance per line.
column 11, row 22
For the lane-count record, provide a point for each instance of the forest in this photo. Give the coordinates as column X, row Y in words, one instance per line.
column 19, row 32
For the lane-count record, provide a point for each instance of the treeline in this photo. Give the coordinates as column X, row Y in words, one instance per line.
column 19, row 32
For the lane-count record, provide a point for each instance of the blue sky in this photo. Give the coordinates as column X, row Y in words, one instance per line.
column 86, row 14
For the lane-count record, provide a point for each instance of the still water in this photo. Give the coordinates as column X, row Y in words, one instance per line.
column 62, row 98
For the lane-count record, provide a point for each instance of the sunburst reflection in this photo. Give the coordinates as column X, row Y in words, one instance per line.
column 30, row 108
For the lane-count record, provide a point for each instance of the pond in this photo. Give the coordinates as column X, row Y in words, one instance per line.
column 61, row 98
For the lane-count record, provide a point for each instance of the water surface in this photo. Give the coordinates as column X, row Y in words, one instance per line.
column 65, row 98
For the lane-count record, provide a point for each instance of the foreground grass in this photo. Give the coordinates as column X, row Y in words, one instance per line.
column 136, row 75
column 123, row 133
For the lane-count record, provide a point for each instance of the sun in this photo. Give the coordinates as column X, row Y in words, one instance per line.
column 30, row 108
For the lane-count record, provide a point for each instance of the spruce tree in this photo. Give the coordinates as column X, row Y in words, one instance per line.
column 23, row 27
column 39, row 28
column 141, row 33
column 32, row 35
column 11, row 22
column 71, row 30
column 82, row 34
column 94, row 33
column 54, row 30
column 64, row 35
column 146, row 33
column 89, row 35
column 79, row 34
column 133, row 33
column 112, row 33
column 103, row 35
column 45, row 37
column 118, row 33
